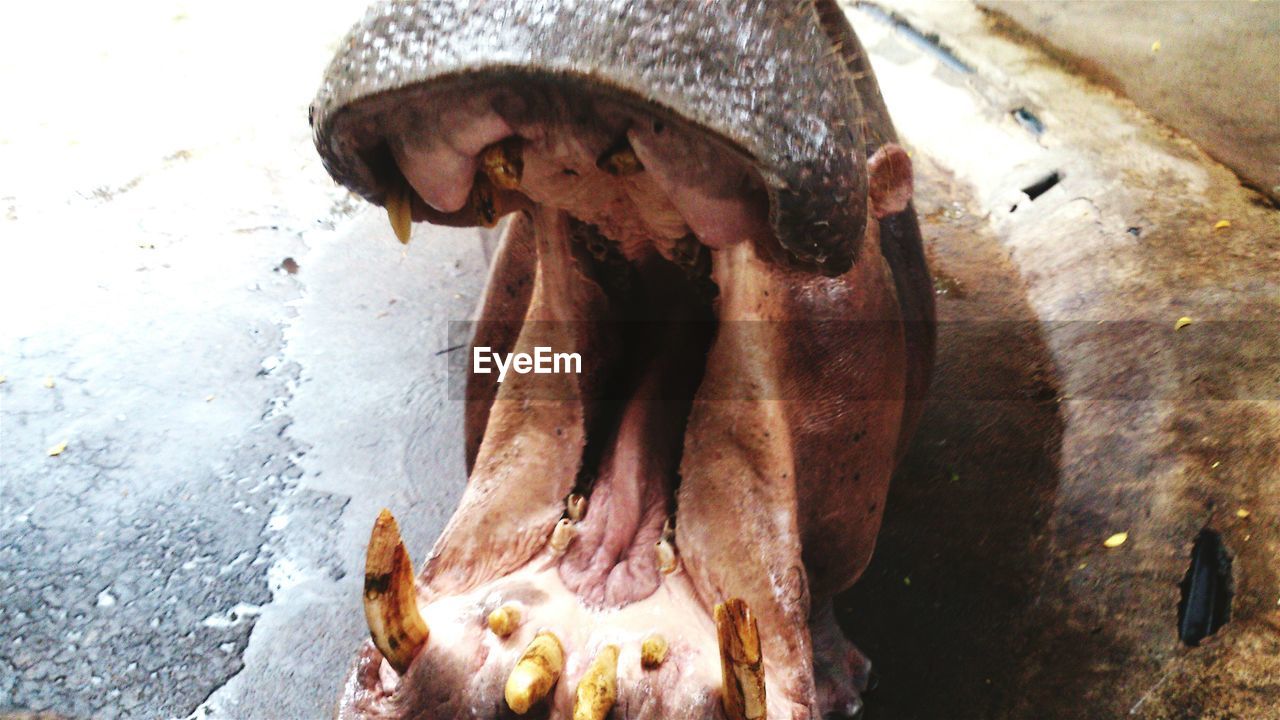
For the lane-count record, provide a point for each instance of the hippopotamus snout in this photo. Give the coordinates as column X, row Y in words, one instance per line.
column 706, row 207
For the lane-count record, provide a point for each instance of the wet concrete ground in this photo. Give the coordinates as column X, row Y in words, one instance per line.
column 233, row 421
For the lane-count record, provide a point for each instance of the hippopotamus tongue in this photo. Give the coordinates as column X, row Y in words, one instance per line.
column 694, row 217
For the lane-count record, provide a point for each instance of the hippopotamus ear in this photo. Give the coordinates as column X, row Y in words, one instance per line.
column 890, row 183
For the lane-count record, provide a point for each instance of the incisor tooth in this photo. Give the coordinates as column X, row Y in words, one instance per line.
column 598, row 689
column 535, row 673
column 666, row 556
column 390, row 599
column 399, row 204
column 562, row 535
column 741, row 662
column 576, row 506
column 653, row 651
column 504, row 620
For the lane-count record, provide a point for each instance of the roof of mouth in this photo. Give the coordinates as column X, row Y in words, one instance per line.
column 761, row 75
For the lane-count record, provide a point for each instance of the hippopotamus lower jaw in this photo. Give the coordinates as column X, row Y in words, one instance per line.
column 657, row 533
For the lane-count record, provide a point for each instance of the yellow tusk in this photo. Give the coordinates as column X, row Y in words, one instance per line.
column 666, row 553
column 390, row 598
column 653, row 651
column 620, row 161
column 741, row 662
column 535, row 673
column 504, row 620
column 504, row 163
column 399, row 204
column 561, row 536
column 576, row 507
column 598, row 689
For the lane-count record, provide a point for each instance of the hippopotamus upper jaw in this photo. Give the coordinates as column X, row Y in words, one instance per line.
column 760, row 78
column 717, row 469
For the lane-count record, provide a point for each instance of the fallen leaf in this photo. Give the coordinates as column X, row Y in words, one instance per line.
column 49, row 383
column 1222, row 225
column 1242, row 513
column 1182, row 322
column 3, row 378
column 1116, row 540
column 907, row 581
column 57, row 450
column 208, row 398
column 1155, row 46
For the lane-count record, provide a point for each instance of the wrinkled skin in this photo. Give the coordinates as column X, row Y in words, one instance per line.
column 750, row 304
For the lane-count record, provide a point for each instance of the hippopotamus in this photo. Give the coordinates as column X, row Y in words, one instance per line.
column 707, row 205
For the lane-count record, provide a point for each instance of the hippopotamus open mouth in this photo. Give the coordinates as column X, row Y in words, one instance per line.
column 709, row 210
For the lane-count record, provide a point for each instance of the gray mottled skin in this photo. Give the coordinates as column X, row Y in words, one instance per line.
column 762, row 76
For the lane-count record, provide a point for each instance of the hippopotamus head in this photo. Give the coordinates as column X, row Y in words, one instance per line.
column 707, row 213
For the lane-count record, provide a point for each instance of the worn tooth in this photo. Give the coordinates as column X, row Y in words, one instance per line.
column 504, row 163
column 598, row 689
column 653, row 651
column 390, row 598
column 741, row 662
column 484, row 201
column 576, row 507
column 666, row 556
column 562, row 535
column 535, row 673
column 504, row 620
column 399, row 204
column 620, row 160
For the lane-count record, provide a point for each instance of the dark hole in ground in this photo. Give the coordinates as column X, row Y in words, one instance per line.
column 1039, row 187
column 1042, row 186
column 1207, row 589
column 1028, row 120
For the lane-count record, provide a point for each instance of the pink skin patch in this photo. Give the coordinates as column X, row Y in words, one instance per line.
column 441, row 170
column 716, row 204
column 892, row 181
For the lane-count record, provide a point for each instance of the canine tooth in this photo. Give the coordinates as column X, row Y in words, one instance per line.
column 598, row 689
column 399, row 204
column 535, row 673
column 653, row 651
column 562, row 535
column 666, row 556
column 390, row 598
column 741, row 662
column 620, row 161
column 504, row 620
column 504, row 163
column 576, row 506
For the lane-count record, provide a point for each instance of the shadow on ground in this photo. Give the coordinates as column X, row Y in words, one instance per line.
column 945, row 611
